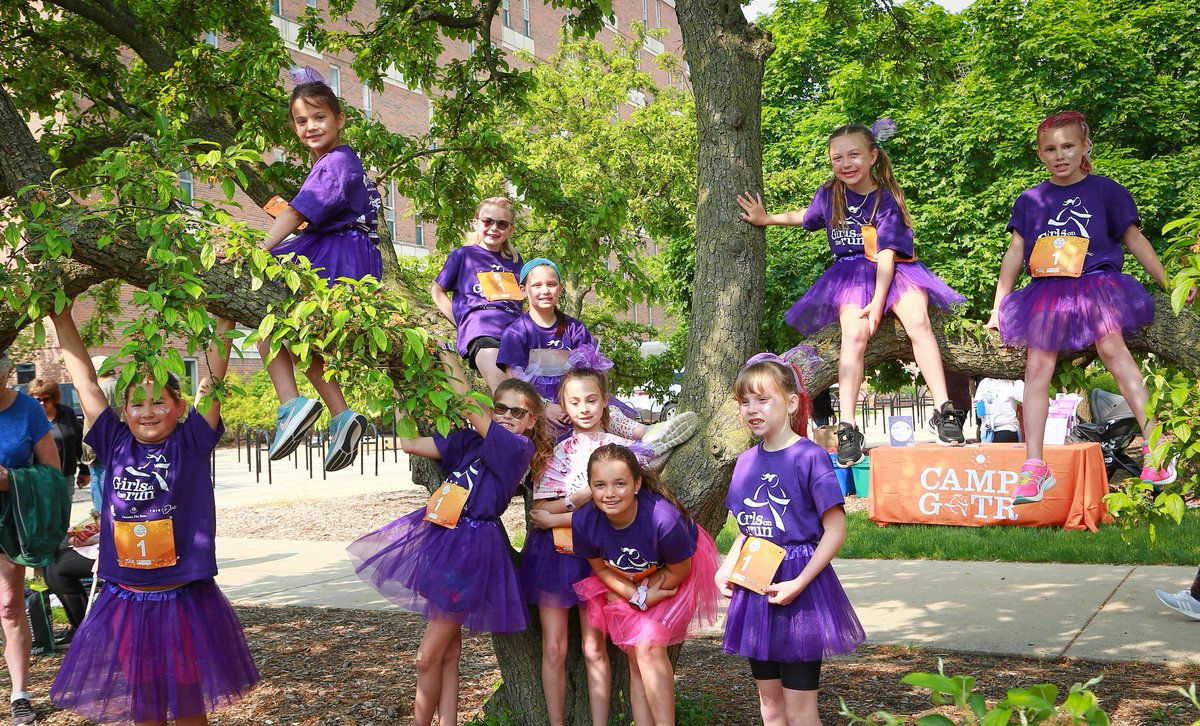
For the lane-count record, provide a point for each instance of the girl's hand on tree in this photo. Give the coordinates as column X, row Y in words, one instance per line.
column 993, row 322
column 65, row 314
column 783, row 593
column 753, row 210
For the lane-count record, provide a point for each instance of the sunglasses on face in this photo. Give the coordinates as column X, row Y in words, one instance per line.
column 43, row 399
column 514, row 411
column 500, row 224
column 137, row 410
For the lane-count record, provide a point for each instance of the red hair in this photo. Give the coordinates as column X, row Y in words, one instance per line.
column 1071, row 118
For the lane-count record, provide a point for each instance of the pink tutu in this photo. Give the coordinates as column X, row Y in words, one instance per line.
column 692, row 608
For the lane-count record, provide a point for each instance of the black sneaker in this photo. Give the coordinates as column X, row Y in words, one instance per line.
column 22, row 712
column 947, row 423
column 850, row 441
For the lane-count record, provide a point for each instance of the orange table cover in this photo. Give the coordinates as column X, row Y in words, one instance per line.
column 972, row 486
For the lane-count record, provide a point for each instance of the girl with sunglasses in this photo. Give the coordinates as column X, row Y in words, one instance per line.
column 451, row 566
column 483, row 277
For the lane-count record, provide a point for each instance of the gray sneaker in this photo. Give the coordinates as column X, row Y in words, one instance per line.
column 22, row 712
column 1181, row 602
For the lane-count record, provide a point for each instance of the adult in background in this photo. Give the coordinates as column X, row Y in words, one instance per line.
column 1000, row 399
column 65, row 428
column 108, row 384
column 24, row 438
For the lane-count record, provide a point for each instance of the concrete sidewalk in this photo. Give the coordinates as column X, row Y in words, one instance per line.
column 1095, row 612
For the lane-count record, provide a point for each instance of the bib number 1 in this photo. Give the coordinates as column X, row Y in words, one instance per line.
column 1058, row 256
column 499, row 286
column 446, row 504
column 145, row 545
column 757, row 564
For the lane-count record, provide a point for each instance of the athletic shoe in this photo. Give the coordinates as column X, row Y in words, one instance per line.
column 1181, row 602
column 22, row 712
column 345, row 432
column 850, row 441
column 1033, row 482
column 672, row 432
column 947, row 423
column 294, row 418
column 1158, row 477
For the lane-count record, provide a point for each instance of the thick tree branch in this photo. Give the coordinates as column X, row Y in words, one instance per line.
column 118, row 21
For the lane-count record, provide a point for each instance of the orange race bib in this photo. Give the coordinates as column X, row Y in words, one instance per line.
column 276, row 205
column 1058, row 256
column 871, row 245
column 145, row 545
column 563, row 540
column 496, row 285
column 446, row 504
column 757, row 564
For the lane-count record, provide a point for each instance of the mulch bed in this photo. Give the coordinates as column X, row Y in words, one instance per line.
column 356, row 667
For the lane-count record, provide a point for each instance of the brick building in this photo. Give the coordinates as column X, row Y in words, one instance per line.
column 529, row 25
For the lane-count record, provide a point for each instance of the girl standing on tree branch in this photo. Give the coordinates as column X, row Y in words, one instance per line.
column 870, row 233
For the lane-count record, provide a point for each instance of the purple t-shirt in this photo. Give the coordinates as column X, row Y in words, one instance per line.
column 525, row 335
column 143, row 483
column 338, row 194
column 891, row 233
column 657, row 537
column 1095, row 208
column 781, row 495
column 474, row 314
column 22, row 425
column 490, row 468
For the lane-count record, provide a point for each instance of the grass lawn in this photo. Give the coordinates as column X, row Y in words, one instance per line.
column 1176, row 545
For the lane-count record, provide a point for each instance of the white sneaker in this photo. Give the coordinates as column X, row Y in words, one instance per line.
column 1181, row 602
column 672, row 432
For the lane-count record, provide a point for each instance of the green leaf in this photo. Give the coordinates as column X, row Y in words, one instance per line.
column 380, row 338
column 934, row 719
column 932, row 681
column 997, row 717
column 266, row 326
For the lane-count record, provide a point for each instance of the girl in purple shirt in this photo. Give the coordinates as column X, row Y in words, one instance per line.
column 1070, row 233
column 653, row 567
column 162, row 642
column 482, row 275
column 860, row 208
column 340, row 205
column 784, row 491
column 460, row 576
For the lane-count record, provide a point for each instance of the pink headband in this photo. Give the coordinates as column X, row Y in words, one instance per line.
column 805, row 356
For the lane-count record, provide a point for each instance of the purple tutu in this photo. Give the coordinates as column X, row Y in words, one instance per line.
column 851, row 281
column 461, row 575
column 548, row 576
column 1065, row 314
column 819, row 623
column 348, row 253
column 156, row 656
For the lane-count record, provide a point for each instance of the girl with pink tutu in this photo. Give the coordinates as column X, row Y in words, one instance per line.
column 1067, row 233
column 874, row 270
column 545, row 343
column 549, row 570
column 161, row 642
column 784, row 497
column 653, row 567
column 452, row 566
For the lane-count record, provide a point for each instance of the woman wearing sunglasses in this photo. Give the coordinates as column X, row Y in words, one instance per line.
column 482, row 275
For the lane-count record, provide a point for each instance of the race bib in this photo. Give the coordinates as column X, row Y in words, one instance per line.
column 757, row 564
column 446, row 504
column 276, row 205
column 550, row 362
column 633, row 576
column 563, row 541
column 1058, row 256
column 145, row 545
column 497, row 285
column 871, row 245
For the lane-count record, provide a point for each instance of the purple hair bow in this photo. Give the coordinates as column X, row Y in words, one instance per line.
column 590, row 357
column 804, row 356
column 884, row 129
column 307, row 74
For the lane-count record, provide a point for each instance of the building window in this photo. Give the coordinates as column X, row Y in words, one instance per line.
column 211, row 38
column 419, row 238
column 612, row 22
column 658, row 13
column 470, row 47
column 277, row 7
column 26, row 372
column 366, row 103
column 646, row 13
column 186, row 186
column 504, row 13
column 191, row 371
column 335, row 80
column 280, row 154
column 311, row 3
column 389, row 209
column 525, row 16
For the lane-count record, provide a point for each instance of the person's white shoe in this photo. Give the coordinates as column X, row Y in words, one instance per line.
column 1181, row 602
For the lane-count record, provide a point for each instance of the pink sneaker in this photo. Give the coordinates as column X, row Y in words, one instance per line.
column 1033, row 483
column 1158, row 477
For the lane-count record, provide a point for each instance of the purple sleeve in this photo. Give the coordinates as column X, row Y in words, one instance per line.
column 100, row 435
column 822, row 482
column 580, row 334
column 323, row 193
column 448, row 277
column 1016, row 221
column 456, row 448
column 892, row 233
column 818, row 210
column 200, row 437
column 506, row 453
column 583, row 532
column 676, row 541
column 1121, row 211
column 514, row 345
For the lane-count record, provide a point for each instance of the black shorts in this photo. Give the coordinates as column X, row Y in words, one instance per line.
column 478, row 344
column 803, row 675
column 1005, row 437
